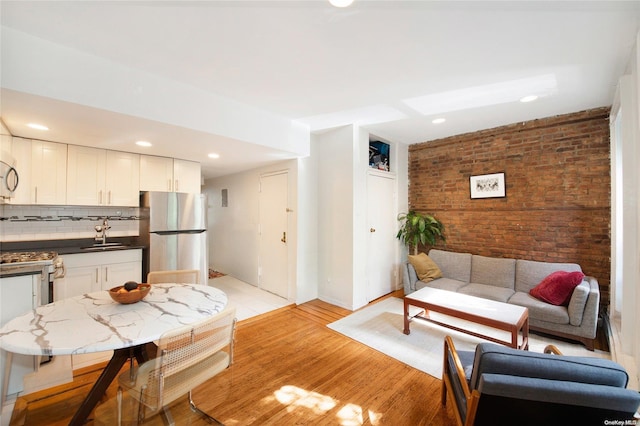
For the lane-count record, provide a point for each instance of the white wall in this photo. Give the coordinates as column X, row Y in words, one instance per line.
column 329, row 232
column 625, row 218
column 233, row 230
column 307, row 216
column 334, row 150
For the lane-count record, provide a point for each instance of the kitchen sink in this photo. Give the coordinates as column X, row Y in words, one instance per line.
column 105, row 246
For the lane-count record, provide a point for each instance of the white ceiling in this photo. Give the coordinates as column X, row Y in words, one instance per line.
column 390, row 66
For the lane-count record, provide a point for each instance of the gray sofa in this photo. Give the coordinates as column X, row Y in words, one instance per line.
column 509, row 281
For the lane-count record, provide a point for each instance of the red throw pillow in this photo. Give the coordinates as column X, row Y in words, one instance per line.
column 557, row 287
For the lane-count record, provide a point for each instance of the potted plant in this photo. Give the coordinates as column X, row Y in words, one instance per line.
column 418, row 228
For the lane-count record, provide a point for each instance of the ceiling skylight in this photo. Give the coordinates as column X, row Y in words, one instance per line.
column 485, row 95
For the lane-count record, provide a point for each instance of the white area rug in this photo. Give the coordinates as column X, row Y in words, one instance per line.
column 380, row 325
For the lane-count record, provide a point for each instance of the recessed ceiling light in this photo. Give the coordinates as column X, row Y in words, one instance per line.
column 143, row 143
column 341, row 3
column 214, row 155
column 529, row 98
column 37, row 126
column 439, row 120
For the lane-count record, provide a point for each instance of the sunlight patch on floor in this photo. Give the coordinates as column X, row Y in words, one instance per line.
column 295, row 398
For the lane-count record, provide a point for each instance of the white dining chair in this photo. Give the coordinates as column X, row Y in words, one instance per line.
column 187, row 357
column 191, row 276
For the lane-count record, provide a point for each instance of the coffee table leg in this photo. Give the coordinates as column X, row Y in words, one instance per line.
column 406, row 317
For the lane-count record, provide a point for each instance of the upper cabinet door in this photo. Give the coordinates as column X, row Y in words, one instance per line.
column 122, row 179
column 48, row 172
column 186, row 176
column 98, row 177
column 86, row 176
column 169, row 174
column 156, row 173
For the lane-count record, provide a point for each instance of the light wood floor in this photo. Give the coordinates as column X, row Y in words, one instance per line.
column 289, row 369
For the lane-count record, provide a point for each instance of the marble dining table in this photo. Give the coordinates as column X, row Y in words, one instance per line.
column 93, row 322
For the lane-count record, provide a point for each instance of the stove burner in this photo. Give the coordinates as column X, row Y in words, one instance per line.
column 27, row 256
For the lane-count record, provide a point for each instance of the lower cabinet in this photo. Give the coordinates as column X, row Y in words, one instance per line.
column 17, row 296
column 89, row 272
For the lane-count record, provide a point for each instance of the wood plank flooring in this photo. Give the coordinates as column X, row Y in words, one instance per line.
column 289, row 369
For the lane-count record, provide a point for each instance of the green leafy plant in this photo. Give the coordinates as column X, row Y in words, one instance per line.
column 419, row 229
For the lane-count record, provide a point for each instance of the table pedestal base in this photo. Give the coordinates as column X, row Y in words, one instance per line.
column 120, row 356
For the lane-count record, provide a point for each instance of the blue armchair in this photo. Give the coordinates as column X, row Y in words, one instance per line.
column 496, row 385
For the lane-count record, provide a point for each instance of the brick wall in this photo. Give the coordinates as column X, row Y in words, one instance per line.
column 557, row 204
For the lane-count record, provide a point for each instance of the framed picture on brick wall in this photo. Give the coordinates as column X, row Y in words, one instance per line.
column 487, row 186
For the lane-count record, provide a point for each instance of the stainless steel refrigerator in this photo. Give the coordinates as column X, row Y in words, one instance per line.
column 173, row 227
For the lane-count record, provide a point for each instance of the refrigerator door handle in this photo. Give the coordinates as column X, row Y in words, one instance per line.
column 189, row 231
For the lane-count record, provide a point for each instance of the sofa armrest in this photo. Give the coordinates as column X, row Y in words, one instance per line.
column 409, row 279
column 585, row 303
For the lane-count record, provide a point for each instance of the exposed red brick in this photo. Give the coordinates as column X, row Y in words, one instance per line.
column 557, row 204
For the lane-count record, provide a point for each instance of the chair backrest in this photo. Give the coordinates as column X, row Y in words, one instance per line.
column 190, row 276
column 527, row 388
column 190, row 355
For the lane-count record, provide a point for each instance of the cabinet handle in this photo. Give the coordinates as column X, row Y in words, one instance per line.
column 36, row 195
column 106, row 275
column 100, row 197
column 97, row 272
column 109, row 202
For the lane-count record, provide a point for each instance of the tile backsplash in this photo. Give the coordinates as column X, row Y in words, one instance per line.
column 34, row 223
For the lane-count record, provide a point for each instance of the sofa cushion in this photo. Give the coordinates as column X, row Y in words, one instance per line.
column 493, row 271
column 529, row 273
column 539, row 309
column 453, row 265
column 499, row 294
column 426, row 269
column 443, row 284
column 557, row 287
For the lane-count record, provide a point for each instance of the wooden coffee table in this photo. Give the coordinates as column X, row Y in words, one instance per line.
column 502, row 316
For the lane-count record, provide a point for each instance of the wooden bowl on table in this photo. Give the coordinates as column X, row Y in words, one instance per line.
column 124, row 296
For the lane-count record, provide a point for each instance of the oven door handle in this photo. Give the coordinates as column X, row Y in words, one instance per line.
column 61, row 271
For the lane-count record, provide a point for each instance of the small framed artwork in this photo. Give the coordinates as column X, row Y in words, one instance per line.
column 487, row 186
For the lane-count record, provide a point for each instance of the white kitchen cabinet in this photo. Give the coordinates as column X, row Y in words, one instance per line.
column 98, row 177
column 86, row 273
column 18, row 295
column 169, row 174
column 89, row 272
column 42, row 168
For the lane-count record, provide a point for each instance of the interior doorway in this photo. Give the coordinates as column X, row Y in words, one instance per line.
column 273, row 270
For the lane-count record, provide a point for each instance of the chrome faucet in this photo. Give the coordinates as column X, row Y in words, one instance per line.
column 102, row 231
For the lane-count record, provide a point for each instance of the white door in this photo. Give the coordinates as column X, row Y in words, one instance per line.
column 381, row 215
column 273, row 263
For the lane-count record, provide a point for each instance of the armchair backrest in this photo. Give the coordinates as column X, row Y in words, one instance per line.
column 496, row 359
column 533, row 388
